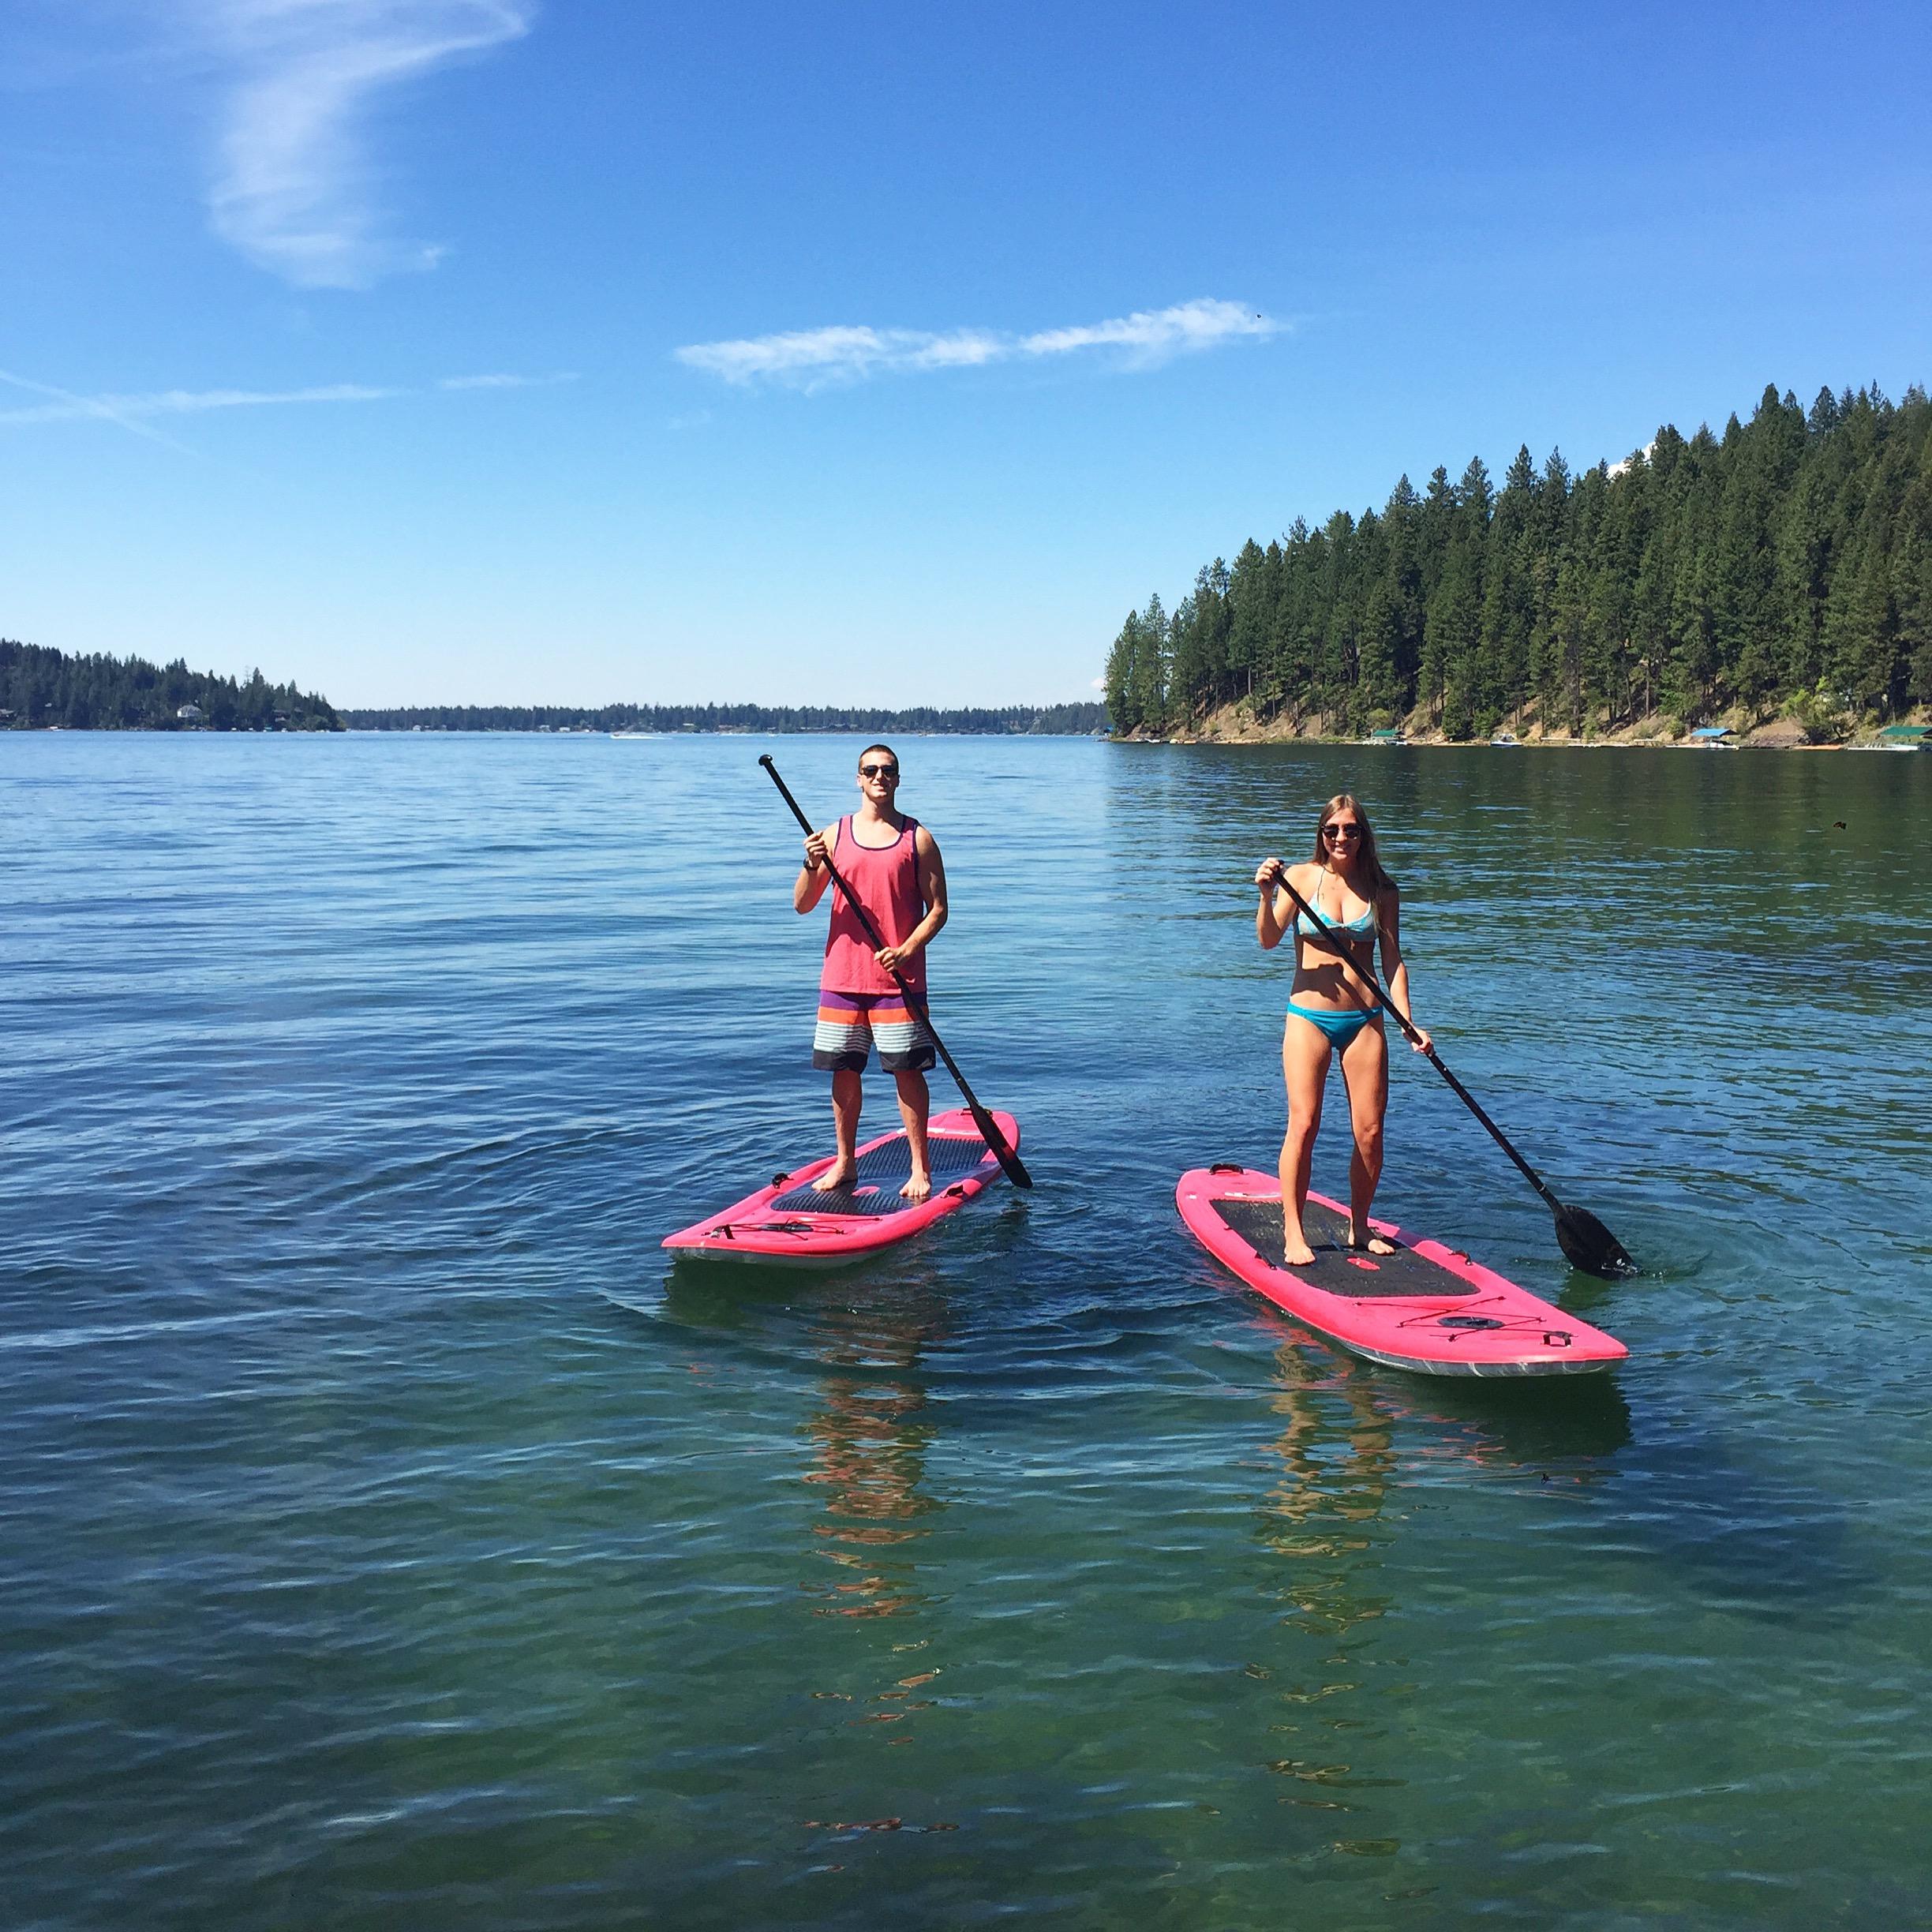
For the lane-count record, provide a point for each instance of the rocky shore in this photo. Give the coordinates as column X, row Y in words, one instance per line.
column 1237, row 724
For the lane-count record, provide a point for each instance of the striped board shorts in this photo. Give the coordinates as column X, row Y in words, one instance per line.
column 848, row 1022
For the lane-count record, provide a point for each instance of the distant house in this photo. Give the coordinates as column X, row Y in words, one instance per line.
column 1710, row 734
column 1906, row 737
column 190, row 714
column 1384, row 738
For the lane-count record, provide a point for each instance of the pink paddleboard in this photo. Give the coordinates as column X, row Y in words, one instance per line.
column 1425, row 1308
column 791, row 1223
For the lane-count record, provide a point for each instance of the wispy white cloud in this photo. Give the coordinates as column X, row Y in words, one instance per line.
column 293, row 191
column 1150, row 336
column 131, row 411
column 63, row 405
column 135, row 412
column 816, row 358
column 507, row 382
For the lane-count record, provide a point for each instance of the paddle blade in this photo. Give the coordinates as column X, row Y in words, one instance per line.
column 996, row 1142
column 1015, row 1167
column 1588, row 1244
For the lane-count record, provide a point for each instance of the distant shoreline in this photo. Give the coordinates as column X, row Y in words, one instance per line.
column 1079, row 720
column 724, row 731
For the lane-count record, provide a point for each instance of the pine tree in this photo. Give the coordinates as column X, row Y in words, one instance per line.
column 1911, row 569
column 1452, row 640
column 1378, row 642
column 1123, row 677
column 1150, row 691
column 1859, row 624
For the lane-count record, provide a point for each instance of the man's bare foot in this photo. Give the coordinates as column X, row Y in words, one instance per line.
column 839, row 1174
column 919, row 1187
column 1376, row 1243
column 1296, row 1252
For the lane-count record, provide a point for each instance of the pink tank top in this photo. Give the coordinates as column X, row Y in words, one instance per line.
column 888, row 885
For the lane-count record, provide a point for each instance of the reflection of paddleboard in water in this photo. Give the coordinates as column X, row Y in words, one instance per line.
column 792, row 1221
column 1425, row 1308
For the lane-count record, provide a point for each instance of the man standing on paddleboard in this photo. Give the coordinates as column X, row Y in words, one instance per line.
column 891, row 863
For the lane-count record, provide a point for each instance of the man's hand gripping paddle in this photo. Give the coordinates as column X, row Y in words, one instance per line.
column 989, row 1129
column 1585, row 1242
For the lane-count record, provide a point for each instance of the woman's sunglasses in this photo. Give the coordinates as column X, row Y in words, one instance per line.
column 1341, row 831
column 878, row 771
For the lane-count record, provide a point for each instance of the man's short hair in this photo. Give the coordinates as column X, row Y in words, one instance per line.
column 870, row 749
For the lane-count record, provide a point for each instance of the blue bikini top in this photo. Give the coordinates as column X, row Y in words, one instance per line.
column 1362, row 926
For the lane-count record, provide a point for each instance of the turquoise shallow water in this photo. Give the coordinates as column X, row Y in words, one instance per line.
column 390, row 1539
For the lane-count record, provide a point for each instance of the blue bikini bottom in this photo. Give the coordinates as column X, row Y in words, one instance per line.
column 1339, row 1028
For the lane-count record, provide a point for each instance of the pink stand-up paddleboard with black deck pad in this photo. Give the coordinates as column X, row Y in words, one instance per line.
column 793, row 1223
column 1425, row 1308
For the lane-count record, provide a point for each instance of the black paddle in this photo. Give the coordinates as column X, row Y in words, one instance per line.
column 1584, row 1241
column 989, row 1127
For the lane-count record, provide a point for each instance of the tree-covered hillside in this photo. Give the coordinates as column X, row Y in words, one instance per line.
column 1786, row 565
column 39, row 686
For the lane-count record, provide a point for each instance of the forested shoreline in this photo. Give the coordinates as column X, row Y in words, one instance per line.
column 40, row 686
column 1062, row 719
column 1783, row 567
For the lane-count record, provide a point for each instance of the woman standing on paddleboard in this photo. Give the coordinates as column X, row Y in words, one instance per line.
column 1330, row 1010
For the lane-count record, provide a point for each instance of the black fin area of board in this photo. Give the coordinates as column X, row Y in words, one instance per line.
column 884, row 1170
column 1337, row 1270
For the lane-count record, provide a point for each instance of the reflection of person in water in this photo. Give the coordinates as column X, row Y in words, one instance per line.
column 871, row 1438
column 1338, row 1467
column 1484, row 1429
column 1316, row 1484
column 1318, row 1517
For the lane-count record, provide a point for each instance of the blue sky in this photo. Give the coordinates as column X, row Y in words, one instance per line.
column 496, row 351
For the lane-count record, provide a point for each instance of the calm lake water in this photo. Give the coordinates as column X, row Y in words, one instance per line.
column 392, row 1540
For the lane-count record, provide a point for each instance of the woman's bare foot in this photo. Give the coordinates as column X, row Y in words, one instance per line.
column 1296, row 1252
column 1376, row 1243
column 839, row 1174
column 919, row 1187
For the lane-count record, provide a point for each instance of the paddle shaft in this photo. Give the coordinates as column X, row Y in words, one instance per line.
column 1435, row 1059
column 989, row 1127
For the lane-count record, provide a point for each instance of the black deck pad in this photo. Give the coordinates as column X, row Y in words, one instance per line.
column 886, row 1170
column 1336, row 1269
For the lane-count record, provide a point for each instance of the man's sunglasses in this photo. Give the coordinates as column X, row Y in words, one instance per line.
column 878, row 771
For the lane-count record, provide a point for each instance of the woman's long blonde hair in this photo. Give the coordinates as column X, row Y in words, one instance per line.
column 1370, row 861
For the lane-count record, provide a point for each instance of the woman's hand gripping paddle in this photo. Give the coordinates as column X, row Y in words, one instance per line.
column 1585, row 1242
column 989, row 1129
